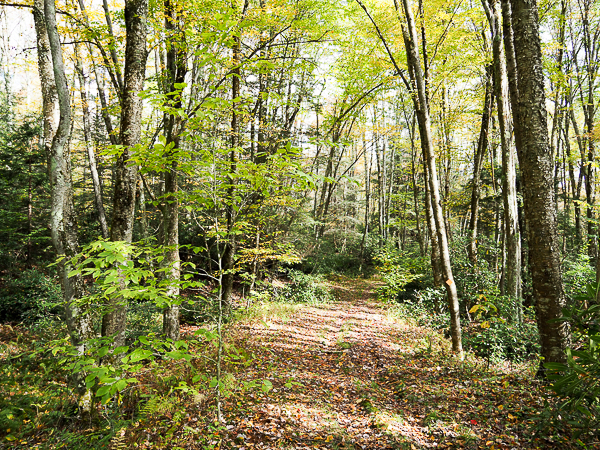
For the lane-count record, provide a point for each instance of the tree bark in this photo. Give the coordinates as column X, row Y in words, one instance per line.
column 482, row 146
column 87, row 134
column 531, row 129
column 126, row 172
column 230, row 244
column 176, row 71
column 62, row 218
column 422, row 112
column 512, row 237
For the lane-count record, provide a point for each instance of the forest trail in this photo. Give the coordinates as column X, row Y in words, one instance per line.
column 369, row 381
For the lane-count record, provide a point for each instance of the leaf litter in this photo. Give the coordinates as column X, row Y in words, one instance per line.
column 363, row 380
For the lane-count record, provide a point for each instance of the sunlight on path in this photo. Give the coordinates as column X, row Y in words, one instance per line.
column 363, row 380
column 342, row 354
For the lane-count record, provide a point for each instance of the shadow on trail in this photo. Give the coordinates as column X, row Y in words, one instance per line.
column 367, row 381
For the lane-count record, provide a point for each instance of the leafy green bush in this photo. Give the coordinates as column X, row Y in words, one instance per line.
column 401, row 273
column 496, row 335
column 578, row 273
column 577, row 382
column 30, row 297
column 333, row 262
column 421, row 313
column 472, row 282
column 499, row 339
column 332, row 258
column 305, row 288
column 198, row 310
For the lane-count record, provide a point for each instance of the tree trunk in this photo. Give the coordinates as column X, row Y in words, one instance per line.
column 422, row 111
column 512, row 238
column 531, row 129
column 87, row 134
column 230, row 244
column 575, row 186
column 176, row 72
column 365, row 235
column 482, row 146
column 126, row 172
column 63, row 220
column 414, row 174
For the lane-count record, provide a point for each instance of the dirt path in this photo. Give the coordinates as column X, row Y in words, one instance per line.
column 368, row 381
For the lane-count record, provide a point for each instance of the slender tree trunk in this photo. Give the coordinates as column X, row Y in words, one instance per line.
column 176, row 72
column 575, row 186
column 422, row 111
column 63, row 220
column 415, row 183
column 363, row 242
column 482, row 146
column 512, row 237
column 126, row 172
column 230, row 245
column 447, row 153
column 531, row 129
column 436, row 258
column 87, row 134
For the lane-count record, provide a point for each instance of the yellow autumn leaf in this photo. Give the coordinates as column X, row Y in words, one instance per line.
column 474, row 309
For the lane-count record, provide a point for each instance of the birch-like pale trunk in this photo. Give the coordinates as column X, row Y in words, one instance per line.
column 63, row 220
column 87, row 134
column 512, row 235
column 422, row 112
column 481, row 151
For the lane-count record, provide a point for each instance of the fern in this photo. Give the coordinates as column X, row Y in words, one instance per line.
column 118, row 441
column 157, row 405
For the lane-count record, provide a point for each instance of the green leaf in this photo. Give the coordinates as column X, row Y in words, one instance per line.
column 555, row 366
column 120, row 385
column 266, row 386
column 139, row 354
column 119, row 350
column 102, row 391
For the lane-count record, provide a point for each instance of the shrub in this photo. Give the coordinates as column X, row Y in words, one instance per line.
column 305, row 288
column 578, row 273
column 30, row 297
column 497, row 335
column 196, row 310
column 421, row 313
column 577, row 382
column 401, row 273
column 499, row 339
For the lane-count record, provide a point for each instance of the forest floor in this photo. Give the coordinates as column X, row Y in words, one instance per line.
column 344, row 374
column 366, row 380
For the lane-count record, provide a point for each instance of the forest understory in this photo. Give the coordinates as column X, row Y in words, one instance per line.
column 342, row 374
